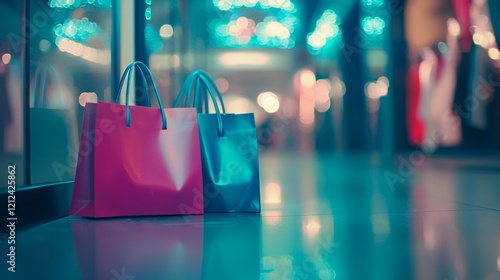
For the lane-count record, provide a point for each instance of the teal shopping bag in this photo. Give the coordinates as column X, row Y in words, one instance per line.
column 229, row 152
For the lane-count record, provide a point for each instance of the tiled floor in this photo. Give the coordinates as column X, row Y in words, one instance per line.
column 324, row 217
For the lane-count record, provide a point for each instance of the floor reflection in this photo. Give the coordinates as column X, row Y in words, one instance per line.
column 144, row 249
column 325, row 217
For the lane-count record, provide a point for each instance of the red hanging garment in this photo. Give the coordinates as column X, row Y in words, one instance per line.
column 413, row 120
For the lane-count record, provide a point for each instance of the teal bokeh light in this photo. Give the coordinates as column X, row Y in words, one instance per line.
column 372, row 3
column 272, row 24
column 73, row 4
column 147, row 13
column 373, row 26
column 77, row 29
column 326, row 29
column 226, row 5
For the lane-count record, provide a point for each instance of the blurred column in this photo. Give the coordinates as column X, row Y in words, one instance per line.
column 355, row 112
column 393, row 105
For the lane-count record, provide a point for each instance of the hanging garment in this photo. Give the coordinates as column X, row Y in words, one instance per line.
column 448, row 130
column 413, row 120
column 462, row 11
column 427, row 74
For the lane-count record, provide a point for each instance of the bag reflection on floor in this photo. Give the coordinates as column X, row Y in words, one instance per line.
column 139, row 249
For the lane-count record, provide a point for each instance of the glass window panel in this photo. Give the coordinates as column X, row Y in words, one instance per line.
column 70, row 64
column 166, row 36
column 11, row 90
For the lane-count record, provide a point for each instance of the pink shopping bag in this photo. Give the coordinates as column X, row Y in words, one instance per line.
column 136, row 161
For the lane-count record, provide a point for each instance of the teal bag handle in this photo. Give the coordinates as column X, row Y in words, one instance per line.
column 144, row 84
column 185, row 91
column 38, row 72
column 200, row 87
column 198, row 101
column 145, row 73
column 191, row 83
column 196, row 80
column 220, row 128
column 209, row 83
column 187, row 87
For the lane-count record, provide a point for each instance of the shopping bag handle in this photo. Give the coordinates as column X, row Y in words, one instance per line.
column 220, row 127
column 145, row 74
column 209, row 84
column 55, row 77
column 144, row 84
column 193, row 81
column 185, row 91
column 191, row 84
column 198, row 100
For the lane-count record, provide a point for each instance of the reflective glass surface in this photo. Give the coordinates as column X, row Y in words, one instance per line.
column 11, row 90
column 167, row 39
column 70, row 64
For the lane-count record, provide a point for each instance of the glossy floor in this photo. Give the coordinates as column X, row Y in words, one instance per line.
column 323, row 217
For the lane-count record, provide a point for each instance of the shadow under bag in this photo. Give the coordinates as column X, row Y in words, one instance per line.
column 136, row 160
column 228, row 149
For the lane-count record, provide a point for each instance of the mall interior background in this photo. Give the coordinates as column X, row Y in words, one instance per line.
column 342, row 91
column 320, row 76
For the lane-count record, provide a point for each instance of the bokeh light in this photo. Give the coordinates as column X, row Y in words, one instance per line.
column 338, row 88
column 225, row 5
column 272, row 30
column 6, row 57
column 73, row 4
column 373, row 26
column 377, row 89
column 148, row 13
column 222, row 84
column 44, row 45
column 453, row 27
column 268, row 101
column 478, row 38
column 322, row 96
column 307, row 78
column 311, row 226
column 372, row 3
column 87, row 97
column 77, row 29
column 327, row 27
column 166, row 31
column 494, row 53
column 272, row 193
column 85, row 52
